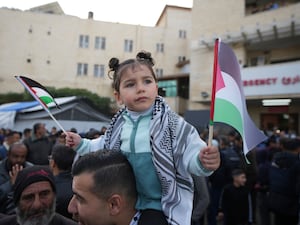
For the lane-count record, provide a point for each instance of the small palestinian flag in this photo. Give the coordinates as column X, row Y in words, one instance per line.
column 38, row 91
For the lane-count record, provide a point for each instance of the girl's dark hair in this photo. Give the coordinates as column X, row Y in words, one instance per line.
column 117, row 68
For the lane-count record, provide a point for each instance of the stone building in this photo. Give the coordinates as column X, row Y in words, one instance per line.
column 65, row 51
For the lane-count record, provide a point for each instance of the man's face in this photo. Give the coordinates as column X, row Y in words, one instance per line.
column 85, row 206
column 17, row 155
column 41, row 130
column 37, row 204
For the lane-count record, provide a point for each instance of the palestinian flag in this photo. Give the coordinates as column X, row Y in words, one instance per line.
column 38, row 91
column 228, row 99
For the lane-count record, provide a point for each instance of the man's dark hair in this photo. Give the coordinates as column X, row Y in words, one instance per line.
column 12, row 133
column 63, row 156
column 112, row 173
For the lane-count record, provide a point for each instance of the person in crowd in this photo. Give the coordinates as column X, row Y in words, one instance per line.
column 284, row 183
column 34, row 197
column 249, row 166
column 26, row 133
column 230, row 160
column 104, row 189
column 2, row 135
column 10, row 138
column 60, row 138
column 39, row 146
column 93, row 134
column 264, row 157
column 156, row 141
column 235, row 201
column 200, row 201
column 53, row 131
column 9, row 169
column 102, row 130
column 60, row 162
column 267, row 153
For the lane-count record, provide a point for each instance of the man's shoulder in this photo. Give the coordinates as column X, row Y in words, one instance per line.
column 61, row 220
column 3, row 166
column 8, row 220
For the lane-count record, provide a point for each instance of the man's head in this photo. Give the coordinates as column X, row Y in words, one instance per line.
column 34, row 195
column 17, row 154
column 61, row 158
column 12, row 137
column 104, row 189
column 291, row 145
column 39, row 129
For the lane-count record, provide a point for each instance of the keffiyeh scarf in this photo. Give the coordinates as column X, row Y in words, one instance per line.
column 168, row 136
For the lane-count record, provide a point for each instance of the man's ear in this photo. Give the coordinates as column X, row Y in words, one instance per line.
column 115, row 204
column 118, row 98
column 52, row 164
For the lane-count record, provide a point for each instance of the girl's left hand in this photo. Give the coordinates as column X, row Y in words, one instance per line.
column 210, row 158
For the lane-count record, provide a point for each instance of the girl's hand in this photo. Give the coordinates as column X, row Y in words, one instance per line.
column 210, row 158
column 72, row 139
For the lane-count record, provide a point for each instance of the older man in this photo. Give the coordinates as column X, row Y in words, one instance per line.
column 104, row 190
column 34, row 196
column 9, row 168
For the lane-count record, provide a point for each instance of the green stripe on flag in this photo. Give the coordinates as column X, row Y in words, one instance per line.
column 226, row 112
column 46, row 99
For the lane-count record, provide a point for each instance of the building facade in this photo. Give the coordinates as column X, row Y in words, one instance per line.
column 65, row 51
column 265, row 36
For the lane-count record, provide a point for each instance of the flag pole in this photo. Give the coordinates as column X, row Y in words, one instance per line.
column 58, row 124
column 45, row 107
column 213, row 93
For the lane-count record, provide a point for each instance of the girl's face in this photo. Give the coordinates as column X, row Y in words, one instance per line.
column 138, row 89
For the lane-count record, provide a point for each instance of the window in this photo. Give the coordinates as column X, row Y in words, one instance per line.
column 159, row 47
column 84, row 41
column 99, row 70
column 181, row 58
column 99, row 42
column 182, row 34
column 168, row 88
column 128, row 45
column 159, row 72
column 82, row 69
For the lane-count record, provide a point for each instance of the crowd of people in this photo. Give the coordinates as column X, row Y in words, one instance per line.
column 260, row 188
column 148, row 167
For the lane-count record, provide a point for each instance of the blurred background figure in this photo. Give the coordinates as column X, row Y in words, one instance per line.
column 235, row 201
column 39, row 146
column 9, row 138
column 60, row 162
column 9, row 169
column 284, row 183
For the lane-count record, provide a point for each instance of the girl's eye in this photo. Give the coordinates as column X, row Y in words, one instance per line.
column 129, row 85
column 148, row 81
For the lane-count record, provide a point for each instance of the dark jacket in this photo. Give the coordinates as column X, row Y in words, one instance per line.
column 38, row 150
column 284, row 183
column 64, row 193
column 57, row 220
column 235, row 205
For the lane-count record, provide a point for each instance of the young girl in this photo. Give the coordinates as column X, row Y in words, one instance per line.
column 163, row 149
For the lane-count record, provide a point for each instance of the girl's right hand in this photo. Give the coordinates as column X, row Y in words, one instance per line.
column 72, row 139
